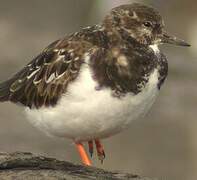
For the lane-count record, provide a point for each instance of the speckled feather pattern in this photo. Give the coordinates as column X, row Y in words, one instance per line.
column 93, row 83
column 85, row 113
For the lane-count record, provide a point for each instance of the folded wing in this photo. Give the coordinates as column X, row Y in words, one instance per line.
column 43, row 81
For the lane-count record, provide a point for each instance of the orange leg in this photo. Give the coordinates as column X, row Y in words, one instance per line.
column 91, row 147
column 100, row 150
column 83, row 155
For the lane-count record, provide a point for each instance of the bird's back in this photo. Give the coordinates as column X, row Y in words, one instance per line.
column 122, row 66
column 45, row 78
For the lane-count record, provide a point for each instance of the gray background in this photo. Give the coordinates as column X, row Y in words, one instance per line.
column 163, row 144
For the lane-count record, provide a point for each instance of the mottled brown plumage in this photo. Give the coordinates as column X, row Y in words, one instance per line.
column 94, row 83
column 120, row 58
column 45, row 79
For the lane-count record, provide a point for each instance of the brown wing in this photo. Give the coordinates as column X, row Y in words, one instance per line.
column 43, row 81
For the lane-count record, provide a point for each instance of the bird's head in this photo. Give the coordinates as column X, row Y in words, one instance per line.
column 141, row 23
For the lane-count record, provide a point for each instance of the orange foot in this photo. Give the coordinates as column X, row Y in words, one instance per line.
column 99, row 148
column 84, row 157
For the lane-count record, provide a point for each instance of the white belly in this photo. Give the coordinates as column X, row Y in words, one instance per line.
column 85, row 113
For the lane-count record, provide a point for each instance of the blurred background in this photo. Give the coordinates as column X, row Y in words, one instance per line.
column 163, row 144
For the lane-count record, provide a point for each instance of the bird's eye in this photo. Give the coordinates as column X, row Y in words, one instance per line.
column 147, row 24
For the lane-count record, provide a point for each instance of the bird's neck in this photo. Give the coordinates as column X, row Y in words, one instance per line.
column 155, row 48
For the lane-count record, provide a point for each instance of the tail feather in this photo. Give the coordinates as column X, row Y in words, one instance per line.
column 5, row 93
column 5, row 90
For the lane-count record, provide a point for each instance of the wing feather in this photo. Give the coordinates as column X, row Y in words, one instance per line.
column 43, row 81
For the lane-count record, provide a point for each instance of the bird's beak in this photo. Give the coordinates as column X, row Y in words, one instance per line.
column 166, row 38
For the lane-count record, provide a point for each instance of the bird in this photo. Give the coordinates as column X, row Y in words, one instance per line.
column 91, row 84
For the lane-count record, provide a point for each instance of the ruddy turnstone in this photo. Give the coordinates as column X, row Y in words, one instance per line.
column 93, row 83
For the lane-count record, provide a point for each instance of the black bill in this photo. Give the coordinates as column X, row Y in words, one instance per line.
column 166, row 38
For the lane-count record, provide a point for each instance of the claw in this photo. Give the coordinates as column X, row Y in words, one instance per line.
column 100, row 151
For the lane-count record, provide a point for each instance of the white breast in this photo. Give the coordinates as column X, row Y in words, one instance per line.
column 155, row 48
column 85, row 113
